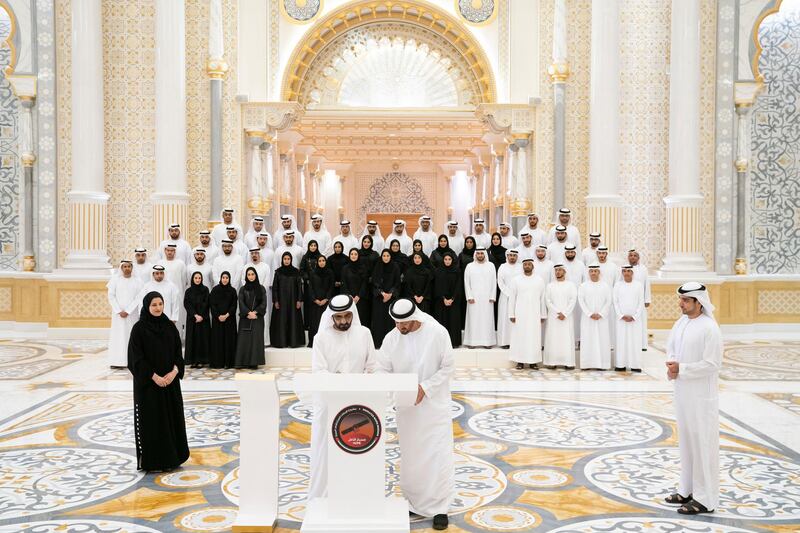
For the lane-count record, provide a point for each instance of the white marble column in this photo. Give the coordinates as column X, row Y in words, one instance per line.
column 216, row 69
column 87, row 199
column 256, row 195
column 684, row 203
column 28, row 158
column 520, row 197
column 559, row 73
column 604, row 202
column 170, row 201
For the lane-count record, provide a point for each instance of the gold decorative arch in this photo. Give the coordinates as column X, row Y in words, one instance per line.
column 12, row 63
column 357, row 14
column 758, row 49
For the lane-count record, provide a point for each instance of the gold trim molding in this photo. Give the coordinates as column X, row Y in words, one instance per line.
column 559, row 72
column 357, row 14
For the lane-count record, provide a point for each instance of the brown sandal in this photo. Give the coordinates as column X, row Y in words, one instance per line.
column 677, row 499
column 694, row 507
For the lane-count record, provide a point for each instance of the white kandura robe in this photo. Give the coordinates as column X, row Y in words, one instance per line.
column 323, row 238
column 538, row 236
column 295, row 250
column 697, row 345
column 173, row 299
column 175, row 272
column 182, row 249
column 573, row 236
column 220, row 232
column 526, row 252
column 640, row 274
column 429, row 240
column 527, row 306
column 559, row 342
column 595, row 298
column 349, row 241
column 334, row 352
column 232, row 264
column 427, row 471
column 589, row 255
column 144, row 272
column 628, row 300
column 509, row 241
column 480, row 284
column 205, row 270
column 610, row 274
column 505, row 274
column 211, row 252
column 456, row 242
column 251, row 239
column 406, row 244
column 377, row 241
column 555, row 251
column 123, row 295
column 576, row 274
column 482, row 240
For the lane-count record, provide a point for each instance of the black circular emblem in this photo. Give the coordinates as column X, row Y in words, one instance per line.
column 356, row 429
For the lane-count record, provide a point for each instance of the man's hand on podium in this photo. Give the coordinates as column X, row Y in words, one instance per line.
column 420, row 394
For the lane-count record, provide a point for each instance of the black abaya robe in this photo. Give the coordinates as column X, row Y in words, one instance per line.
column 286, row 325
column 418, row 281
column 223, row 300
column 385, row 278
column 321, row 286
column 449, row 284
column 438, row 253
column 250, row 345
column 464, row 258
column 336, row 263
column 198, row 334
column 308, row 264
column 160, row 427
column 355, row 282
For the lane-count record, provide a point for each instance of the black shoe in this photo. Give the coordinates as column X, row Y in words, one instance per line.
column 520, row 366
column 619, row 369
column 636, row 370
column 440, row 522
column 569, row 368
column 534, row 366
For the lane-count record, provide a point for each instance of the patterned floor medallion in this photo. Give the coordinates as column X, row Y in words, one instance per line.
column 183, row 479
column 752, row 487
column 503, row 518
column 647, row 524
column 77, row 526
column 562, row 426
column 481, row 447
column 45, row 480
column 206, row 425
column 540, row 478
column 208, row 519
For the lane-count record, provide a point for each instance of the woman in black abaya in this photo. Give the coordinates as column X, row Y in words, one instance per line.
column 286, row 326
column 307, row 265
column 398, row 257
column 497, row 256
column 223, row 302
column 385, row 289
column 418, row 283
column 355, row 282
column 448, row 297
column 321, row 288
column 252, row 306
column 417, row 248
column 442, row 248
column 198, row 325
column 155, row 360
column 336, row 262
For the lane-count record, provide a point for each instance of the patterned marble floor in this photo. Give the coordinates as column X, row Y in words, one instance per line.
column 560, row 453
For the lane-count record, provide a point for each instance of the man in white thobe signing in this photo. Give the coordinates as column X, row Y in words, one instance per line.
column 505, row 274
column 123, row 293
column 420, row 345
column 628, row 308
column 561, row 297
column 480, row 290
column 341, row 346
column 596, row 305
column 694, row 357
column 527, row 311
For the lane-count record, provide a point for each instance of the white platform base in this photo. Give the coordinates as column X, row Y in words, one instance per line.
column 394, row 519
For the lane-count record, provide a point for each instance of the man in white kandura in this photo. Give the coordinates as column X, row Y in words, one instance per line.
column 318, row 232
column 220, row 231
column 564, row 219
column 345, row 237
column 256, row 228
column 341, row 346
column 576, row 273
column 173, row 299
column 287, row 246
column 399, row 233
column 527, row 311
column 610, row 274
column 200, row 263
column 420, row 345
column 694, row 357
column 239, row 247
column 555, row 248
column 542, row 266
column 373, row 230
column 208, row 244
column 537, row 234
column 505, row 274
column 479, row 233
column 182, row 249
column 628, row 308
column 288, row 223
column 267, row 252
column 228, row 262
column 507, row 236
column 480, row 290
column 526, row 248
column 142, row 268
column 640, row 274
column 123, row 292
column 425, row 234
column 596, row 306
column 454, row 236
column 561, row 297
column 589, row 254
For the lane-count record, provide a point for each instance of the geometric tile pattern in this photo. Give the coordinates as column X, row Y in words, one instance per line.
column 83, row 304
column 5, row 299
column 10, row 168
column 779, row 302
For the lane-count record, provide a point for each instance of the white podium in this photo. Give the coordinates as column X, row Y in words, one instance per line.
column 356, row 436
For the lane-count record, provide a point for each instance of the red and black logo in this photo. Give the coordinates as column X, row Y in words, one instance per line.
column 356, row 429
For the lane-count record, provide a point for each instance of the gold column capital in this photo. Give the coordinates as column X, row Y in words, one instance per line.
column 28, row 159
column 559, row 72
column 741, row 165
column 217, row 69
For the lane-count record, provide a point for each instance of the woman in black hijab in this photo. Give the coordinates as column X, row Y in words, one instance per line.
column 223, row 301
column 336, row 261
column 321, row 288
column 286, row 326
column 198, row 326
column 417, row 248
column 355, row 282
column 369, row 257
column 307, row 264
column 418, row 282
column 496, row 254
column 385, row 289
column 466, row 257
column 155, row 360
column 448, row 297
column 443, row 247
column 252, row 306
column 398, row 257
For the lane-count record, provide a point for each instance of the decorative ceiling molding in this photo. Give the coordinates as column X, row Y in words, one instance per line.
column 301, row 11
column 319, row 47
column 477, row 12
column 270, row 116
column 508, row 119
